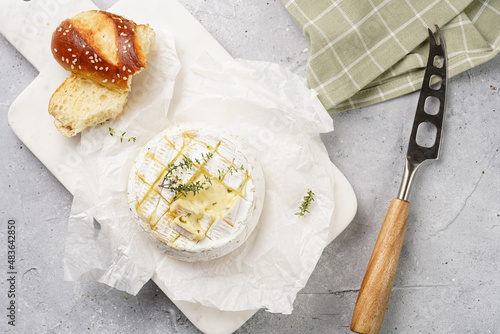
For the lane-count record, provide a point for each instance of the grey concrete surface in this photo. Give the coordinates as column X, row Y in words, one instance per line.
column 448, row 279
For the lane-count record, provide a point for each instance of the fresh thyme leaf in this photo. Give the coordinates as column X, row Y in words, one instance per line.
column 306, row 203
column 233, row 169
column 112, row 133
column 189, row 163
column 207, row 157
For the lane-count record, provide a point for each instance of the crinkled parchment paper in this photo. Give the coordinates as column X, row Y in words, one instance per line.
column 281, row 120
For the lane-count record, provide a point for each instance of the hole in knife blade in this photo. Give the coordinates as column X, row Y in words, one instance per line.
column 431, row 105
column 435, row 82
column 426, row 134
column 438, row 61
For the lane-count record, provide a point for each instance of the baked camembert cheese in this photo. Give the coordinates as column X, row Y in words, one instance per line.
column 197, row 190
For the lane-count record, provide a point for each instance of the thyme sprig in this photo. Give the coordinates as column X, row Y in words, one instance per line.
column 306, row 203
column 205, row 158
column 174, row 182
column 122, row 137
column 184, row 189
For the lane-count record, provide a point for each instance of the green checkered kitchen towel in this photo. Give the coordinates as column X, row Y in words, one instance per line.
column 363, row 52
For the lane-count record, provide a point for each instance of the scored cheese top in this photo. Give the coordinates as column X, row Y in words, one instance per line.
column 197, row 190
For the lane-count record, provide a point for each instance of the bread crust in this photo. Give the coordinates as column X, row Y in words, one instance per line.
column 101, row 46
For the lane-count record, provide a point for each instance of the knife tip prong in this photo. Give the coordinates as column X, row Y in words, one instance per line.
column 441, row 38
column 432, row 36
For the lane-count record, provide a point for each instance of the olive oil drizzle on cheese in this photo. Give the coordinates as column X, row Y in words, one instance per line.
column 199, row 204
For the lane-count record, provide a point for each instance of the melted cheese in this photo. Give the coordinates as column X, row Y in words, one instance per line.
column 215, row 200
column 211, row 222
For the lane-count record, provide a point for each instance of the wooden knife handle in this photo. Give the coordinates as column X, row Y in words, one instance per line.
column 379, row 278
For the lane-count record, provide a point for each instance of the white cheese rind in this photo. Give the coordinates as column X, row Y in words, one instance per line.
column 149, row 202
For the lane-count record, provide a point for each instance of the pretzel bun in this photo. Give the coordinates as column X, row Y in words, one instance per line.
column 102, row 46
column 102, row 51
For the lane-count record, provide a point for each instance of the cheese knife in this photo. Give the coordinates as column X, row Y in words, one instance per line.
column 377, row 283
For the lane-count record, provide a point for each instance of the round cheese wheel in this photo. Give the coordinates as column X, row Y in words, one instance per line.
column 197, row 190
